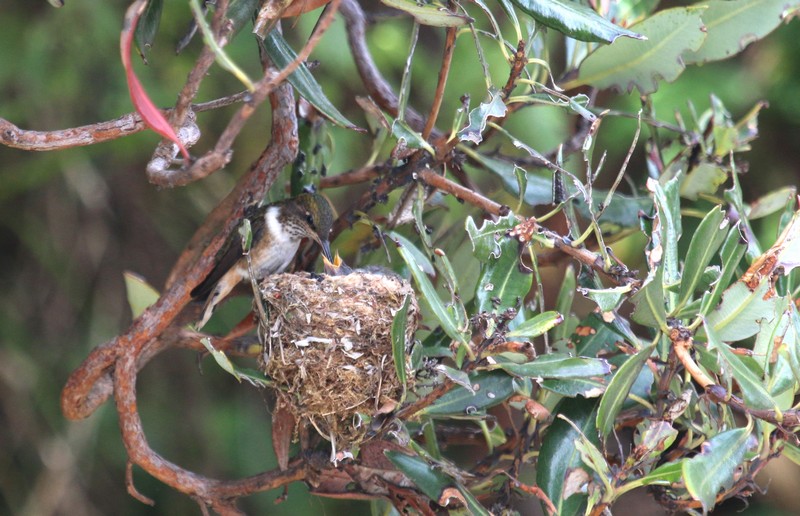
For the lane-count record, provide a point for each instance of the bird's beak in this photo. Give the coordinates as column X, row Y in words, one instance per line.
column 326, row 249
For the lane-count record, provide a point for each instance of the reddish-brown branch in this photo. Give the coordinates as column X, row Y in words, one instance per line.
column 449, row 47
column 131, row 123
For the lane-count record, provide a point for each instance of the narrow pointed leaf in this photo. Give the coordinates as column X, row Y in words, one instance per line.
column 704, row 245
column 281, row 55
column 618, row 389
column 572, row 387
column 147, row 28
column 558, row 366
column 632, row 64
column 431, row 480
column 429, row 294
column 574, row 19
column 399, row 324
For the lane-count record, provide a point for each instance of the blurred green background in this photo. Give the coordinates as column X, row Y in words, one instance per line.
column 72, row 221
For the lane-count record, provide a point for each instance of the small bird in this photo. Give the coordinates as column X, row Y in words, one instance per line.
column 277, row 230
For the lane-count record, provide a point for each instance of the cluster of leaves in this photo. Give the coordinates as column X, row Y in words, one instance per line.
column 694, row 400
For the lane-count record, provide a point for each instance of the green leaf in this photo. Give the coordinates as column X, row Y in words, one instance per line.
column 733, row 250
column 572, row 387
column 618, row 389
column 594, row 335
column 420, row 260
column 410, row 137
column 501, row 283
column 704, row 245
column 715, row 465
column 753, row 390
column 706, row 178
column 446, row 318
column 575, row 20
column 538, row 184
column 433, row 14
column 147, row 28
column 734, row 24
column 140, row 293
column 281, row 55
column 399, row 324
column 771, row 203
column 490, row 388
column 558, row 366
column 664, row 475
column 649, row 302
column 430, row 480
column 566, row 293
column 537, row 325
column 255, row 378
column 494, row 107
column 741, row 312
column 628, row 64
column 607, row 299
column 559, row 455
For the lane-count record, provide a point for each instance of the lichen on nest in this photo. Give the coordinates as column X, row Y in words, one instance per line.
column 328, row 347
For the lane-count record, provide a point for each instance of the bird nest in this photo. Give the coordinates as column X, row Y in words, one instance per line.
column 328, row 348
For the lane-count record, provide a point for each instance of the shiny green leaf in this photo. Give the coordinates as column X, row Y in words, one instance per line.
column 618, row 389
column 558, row 366
column 282, row 55
column 490, row 388
column 575, row 20
column 559, row 455
column 641, row 64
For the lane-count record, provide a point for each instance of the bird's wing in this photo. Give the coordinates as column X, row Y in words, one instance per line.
column 230, row 254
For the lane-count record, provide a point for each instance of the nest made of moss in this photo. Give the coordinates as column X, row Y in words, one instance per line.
column 328, row 347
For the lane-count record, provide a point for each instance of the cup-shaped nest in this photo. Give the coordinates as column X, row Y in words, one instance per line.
column 328, row 348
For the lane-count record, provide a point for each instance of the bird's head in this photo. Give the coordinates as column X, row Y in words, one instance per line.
column 314, row 217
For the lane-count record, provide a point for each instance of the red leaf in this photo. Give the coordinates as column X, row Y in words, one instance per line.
column 150, row 114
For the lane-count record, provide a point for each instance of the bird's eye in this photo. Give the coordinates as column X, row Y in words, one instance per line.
column 310, row 219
